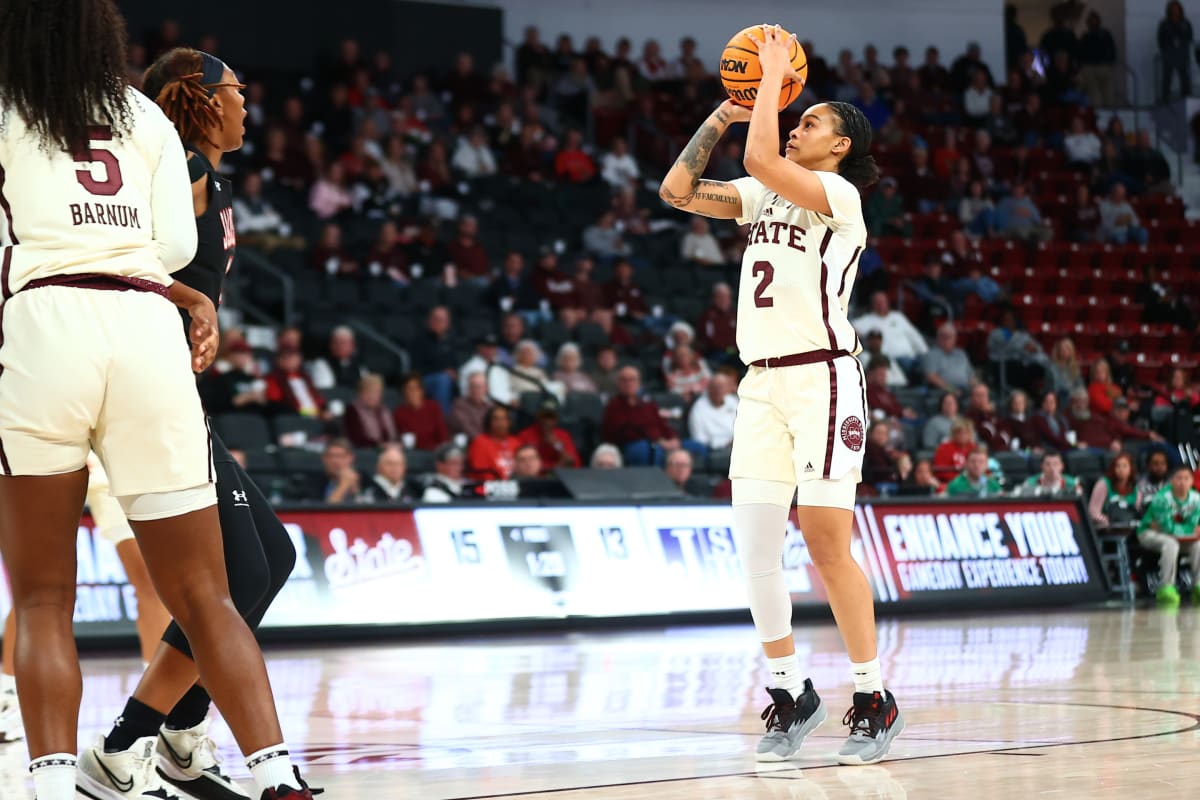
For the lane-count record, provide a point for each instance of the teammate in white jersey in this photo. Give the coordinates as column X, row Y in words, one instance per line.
column 96, row 212
column 800, row 425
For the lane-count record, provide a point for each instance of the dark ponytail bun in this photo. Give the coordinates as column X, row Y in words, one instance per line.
column 857, row 166
column 861, row 171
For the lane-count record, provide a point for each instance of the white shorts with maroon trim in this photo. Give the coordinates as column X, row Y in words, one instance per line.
column 84, row 369
column 800, row 424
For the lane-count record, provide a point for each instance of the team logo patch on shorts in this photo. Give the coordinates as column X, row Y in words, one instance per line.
column 852, row 433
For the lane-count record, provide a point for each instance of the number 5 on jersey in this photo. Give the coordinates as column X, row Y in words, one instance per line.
column 112, row 182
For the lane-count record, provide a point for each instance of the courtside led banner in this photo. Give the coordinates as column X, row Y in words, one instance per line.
column 439, row 564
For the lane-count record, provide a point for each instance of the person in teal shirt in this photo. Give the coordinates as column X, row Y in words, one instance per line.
column 1051, row 481
column 974, row 481
column 1172, row 523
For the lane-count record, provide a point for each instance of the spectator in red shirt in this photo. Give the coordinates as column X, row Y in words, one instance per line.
column 419, row 420
column 1102, row 391
column 588, row 293
column 289, row 388
column 624, row 296
column 490, row 456
column 1092, row 429
column 951, row 456
column 1019, row 424
column 988, row 425
column 524, row 158
column 554, row 445
column 572, row 164
column 468, row 254
column 1052, row 427
column 880, row 398
column 386, row 257
column 557, row 288
column 635, row 424
column 880, row 461
column 368, row 421
column 717, row 327
column 921, row 186
column 329, row 256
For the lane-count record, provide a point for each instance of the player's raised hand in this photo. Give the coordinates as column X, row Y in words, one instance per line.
column 774, row 51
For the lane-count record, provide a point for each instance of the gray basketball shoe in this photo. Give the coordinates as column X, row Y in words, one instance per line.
column 789, row 720
column 874, row 722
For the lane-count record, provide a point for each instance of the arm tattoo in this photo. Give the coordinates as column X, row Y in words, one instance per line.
column 694, row 159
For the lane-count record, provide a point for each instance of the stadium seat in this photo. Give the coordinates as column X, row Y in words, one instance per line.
column 243, row 431
column 311, row 427
column 584, row 406
column 300, row 459
column 717, row 462
column 420, row 462
column 1084, row 464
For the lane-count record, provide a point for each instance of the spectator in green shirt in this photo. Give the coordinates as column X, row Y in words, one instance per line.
column 1172, row 522
column 974, row 481
column 1050, row 482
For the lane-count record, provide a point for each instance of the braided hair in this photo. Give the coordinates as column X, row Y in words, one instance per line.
column 180, row 82
column 62, row 65
column 858, row 165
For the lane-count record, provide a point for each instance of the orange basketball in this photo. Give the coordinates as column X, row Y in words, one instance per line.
column 741, row 72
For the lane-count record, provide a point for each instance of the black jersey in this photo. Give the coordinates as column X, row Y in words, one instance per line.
column 215, row 236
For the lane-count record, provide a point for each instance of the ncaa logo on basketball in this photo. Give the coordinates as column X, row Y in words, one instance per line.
column 734, row 65
column 852, row 433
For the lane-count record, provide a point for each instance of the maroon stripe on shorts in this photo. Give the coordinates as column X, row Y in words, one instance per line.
column 5, row 293
column 3, row 456
column 862, row 388
column 833, row 389
column 12, row 239
column 208, row 430
column 825, row 290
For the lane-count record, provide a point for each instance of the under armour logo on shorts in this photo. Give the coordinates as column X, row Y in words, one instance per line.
column 241, row 498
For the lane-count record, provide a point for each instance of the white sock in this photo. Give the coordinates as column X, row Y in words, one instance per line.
column 8, row 683
column 54, row 776
column 272, row 768
column 785, row 674
column 867, row 677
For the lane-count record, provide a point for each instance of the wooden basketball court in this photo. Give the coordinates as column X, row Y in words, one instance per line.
column 1095, row 704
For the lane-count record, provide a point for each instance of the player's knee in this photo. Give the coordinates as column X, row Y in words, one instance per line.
column 46, row 598
column 249, row 583
column 164, row 505
column 828, row 556
column 751, row 491
column 1170, row 550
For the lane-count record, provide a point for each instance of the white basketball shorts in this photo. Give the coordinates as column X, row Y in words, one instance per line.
column 801, row 424
column 110, row 371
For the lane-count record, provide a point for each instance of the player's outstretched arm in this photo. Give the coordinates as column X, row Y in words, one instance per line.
column 762, row 160
column 683, row 188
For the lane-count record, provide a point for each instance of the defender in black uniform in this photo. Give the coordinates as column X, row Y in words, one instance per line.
column 259, row 554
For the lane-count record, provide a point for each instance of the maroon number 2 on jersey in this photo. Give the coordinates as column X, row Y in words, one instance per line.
column 767, row 272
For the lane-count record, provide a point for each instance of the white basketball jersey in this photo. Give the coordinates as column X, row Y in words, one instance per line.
column 122, row 206
column 798, row 271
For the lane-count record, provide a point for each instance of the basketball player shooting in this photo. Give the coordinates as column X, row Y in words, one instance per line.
column 799, row 430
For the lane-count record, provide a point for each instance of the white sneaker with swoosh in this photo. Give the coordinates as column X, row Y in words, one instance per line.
column 188, row 761
column 121, row 776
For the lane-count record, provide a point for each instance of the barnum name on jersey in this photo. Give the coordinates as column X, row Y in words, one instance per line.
column 104, row 214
